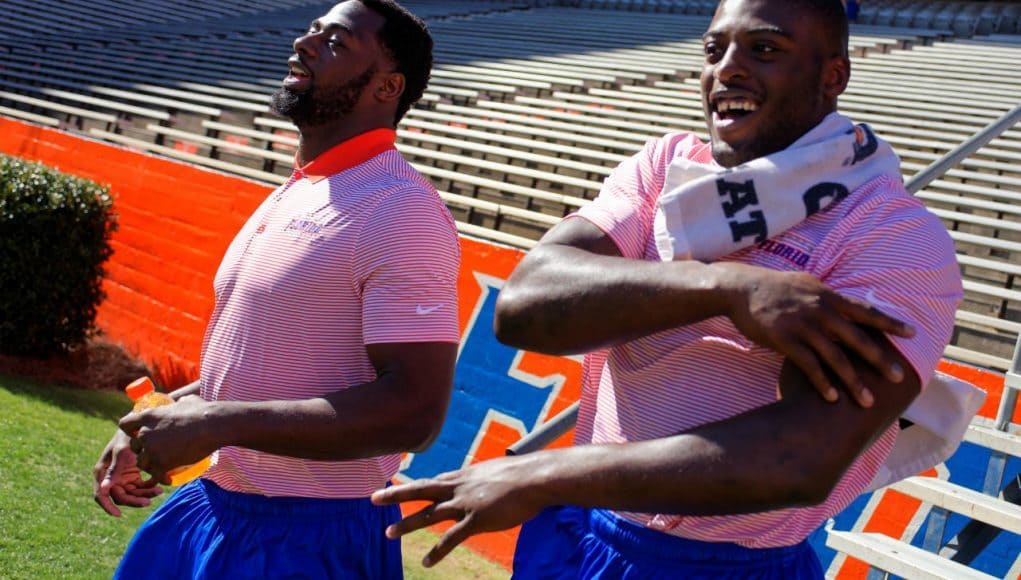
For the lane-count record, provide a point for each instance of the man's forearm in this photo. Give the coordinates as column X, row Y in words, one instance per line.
column 364, row 421
column 402, row 410
column 564, row 300
column 773, row 457
column 786, row 454
column 694, row 474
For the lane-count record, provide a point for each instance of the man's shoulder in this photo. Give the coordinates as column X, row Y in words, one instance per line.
column 646, row 170
column 885, row 197
column 407, row 182
column 403, row 195
column 883, row 215
column 681, row 144
column 384, row 176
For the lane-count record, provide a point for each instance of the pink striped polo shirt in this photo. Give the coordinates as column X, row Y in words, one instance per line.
column 879, row 244
column 356, row 248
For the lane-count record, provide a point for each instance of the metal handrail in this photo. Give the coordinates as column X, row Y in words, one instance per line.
column 549, row 431
column 965, row 149
column 546, row 433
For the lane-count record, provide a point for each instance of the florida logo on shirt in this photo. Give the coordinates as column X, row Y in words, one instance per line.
column 304, row 226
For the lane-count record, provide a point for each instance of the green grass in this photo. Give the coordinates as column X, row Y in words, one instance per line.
column 50, row 527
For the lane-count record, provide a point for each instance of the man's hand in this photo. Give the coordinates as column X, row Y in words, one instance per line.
column 798, row 316
column 118, row 481
column 171, row 436
column 486, row 497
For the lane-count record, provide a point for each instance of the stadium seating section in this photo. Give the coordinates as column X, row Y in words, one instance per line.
column 524, row 117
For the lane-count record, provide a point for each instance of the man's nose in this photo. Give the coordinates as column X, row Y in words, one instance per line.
column 303, row 45
column 732, row 64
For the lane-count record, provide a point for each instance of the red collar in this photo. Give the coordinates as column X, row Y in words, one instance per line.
column 345, row 155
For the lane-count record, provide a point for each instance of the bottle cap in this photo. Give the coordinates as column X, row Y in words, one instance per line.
column 139, row 388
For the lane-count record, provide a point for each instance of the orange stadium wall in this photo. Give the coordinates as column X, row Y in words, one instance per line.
column 176, row 221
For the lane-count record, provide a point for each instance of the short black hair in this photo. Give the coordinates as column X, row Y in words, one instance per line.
column 833, row 16
column 407, row 40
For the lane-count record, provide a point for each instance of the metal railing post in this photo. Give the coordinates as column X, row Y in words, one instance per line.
column 1011, row 386
column 1008, row 402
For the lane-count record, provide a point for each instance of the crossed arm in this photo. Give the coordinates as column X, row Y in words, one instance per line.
column 785, row 454
column 412, row 388
column 575, row 293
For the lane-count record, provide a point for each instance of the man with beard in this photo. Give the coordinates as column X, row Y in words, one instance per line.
column 332, row 344
column 703, row 449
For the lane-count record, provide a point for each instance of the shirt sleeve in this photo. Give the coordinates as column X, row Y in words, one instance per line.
column 406, row 264
column 898, row 257
column 626, row 204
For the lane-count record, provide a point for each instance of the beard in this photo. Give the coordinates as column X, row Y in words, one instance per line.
column 320, row 105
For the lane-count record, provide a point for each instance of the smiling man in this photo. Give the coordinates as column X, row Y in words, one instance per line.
column 331, row 347
column 726, row 283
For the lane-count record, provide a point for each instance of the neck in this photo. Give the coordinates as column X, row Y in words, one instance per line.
column 313, row 141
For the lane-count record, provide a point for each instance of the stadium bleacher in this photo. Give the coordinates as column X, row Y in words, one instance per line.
column 522, row 121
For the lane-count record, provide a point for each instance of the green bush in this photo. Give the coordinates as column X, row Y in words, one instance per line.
column 54, row 238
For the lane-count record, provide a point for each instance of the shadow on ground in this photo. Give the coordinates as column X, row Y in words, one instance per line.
column 62, row 379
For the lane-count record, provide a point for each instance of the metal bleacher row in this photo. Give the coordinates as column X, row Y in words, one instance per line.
column 525, row 117
column 961, row 17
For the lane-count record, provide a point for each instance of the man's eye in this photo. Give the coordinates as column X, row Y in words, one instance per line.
column 765, row 48
column 710, row 49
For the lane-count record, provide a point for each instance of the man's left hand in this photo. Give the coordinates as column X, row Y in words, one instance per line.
column 171, row 436
column 486, row 497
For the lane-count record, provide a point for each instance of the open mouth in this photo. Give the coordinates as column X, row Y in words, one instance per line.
column 728, row 110
column 298, row 77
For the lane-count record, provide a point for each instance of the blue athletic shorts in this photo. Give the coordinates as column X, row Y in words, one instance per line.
column 203, row 531
column 576, row 543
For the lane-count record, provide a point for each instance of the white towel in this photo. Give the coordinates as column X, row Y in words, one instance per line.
column 706, row 212
column 941, row 415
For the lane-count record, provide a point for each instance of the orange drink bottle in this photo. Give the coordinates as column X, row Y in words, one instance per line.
column 145, row 396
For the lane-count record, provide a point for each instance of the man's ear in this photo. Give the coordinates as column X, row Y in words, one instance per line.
column 836, row 74
column 391, row 88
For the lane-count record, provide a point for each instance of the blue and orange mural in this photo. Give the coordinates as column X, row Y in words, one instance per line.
column 176, row 221
column 489, row 385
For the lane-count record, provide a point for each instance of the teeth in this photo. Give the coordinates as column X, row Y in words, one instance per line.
column 736, row 105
